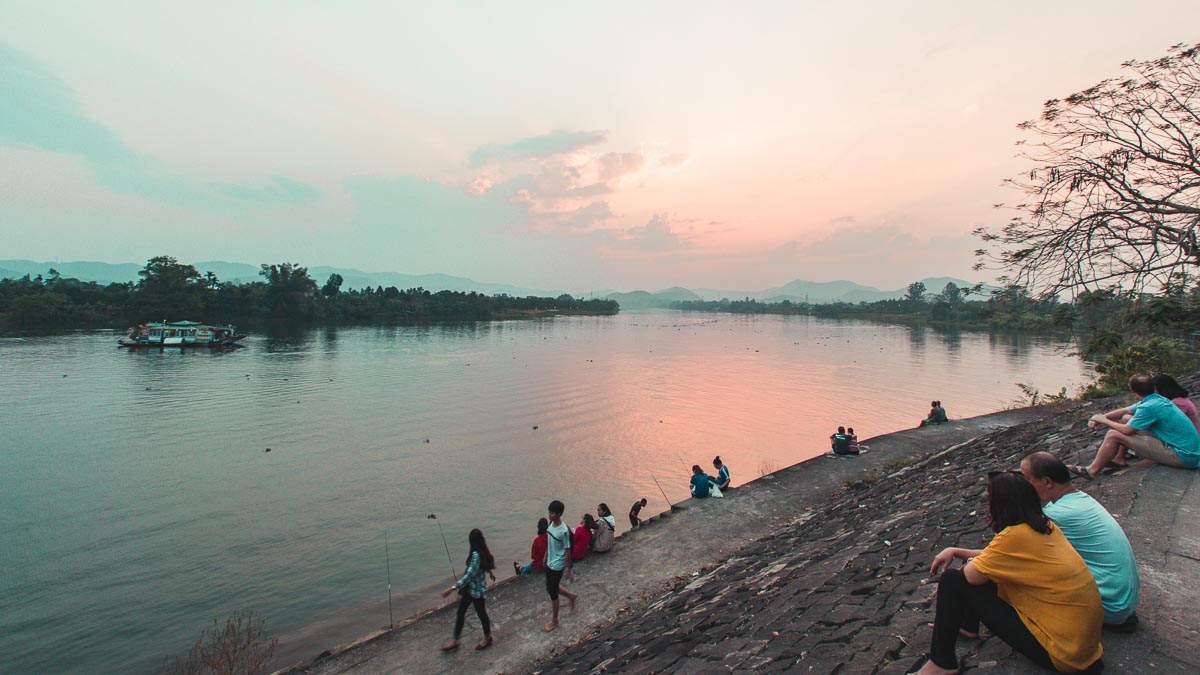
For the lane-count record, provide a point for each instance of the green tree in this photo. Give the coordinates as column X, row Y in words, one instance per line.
column 290, row 291
column 332, row 286
column 170, row 290
column 915, row 293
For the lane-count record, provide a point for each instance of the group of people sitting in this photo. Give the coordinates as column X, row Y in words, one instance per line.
column 704, row 485
column 1162, row 427
column 937, row 414
column 1060, row 569
column 845, row 443
column 554, row 551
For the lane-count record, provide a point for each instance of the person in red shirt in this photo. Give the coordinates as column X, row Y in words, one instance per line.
column 537, row 553
column 583, row 537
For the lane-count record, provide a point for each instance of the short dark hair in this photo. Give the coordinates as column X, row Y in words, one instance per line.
column 543, row 525
column 556, row 507
column 644, row 501
column 1167, row 386
column 1142, row 385
column 841, row 430
column 1013, row 501
column 1045, row 465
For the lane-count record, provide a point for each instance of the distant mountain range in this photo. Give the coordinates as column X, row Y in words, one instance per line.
column 796, row 291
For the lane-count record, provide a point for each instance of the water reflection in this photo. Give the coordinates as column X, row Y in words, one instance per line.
column 138, row 461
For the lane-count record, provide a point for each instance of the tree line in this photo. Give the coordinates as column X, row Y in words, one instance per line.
column 1123, row 332
column 170, row 290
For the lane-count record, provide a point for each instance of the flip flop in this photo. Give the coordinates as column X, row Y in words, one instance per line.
column 1080, row 471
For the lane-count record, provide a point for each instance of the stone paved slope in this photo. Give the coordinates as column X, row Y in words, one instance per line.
column 844, row 586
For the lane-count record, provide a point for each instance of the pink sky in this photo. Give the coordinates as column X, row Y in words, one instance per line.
column 572, row 147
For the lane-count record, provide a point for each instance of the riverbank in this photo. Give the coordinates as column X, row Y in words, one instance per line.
column 667, row 554
column 822, row 566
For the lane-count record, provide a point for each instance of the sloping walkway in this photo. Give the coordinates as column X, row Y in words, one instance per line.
column 660, row 558
column 845, row 587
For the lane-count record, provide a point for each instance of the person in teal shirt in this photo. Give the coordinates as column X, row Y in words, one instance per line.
column 1158, row 432
column 701, row 483
column 1094, row 534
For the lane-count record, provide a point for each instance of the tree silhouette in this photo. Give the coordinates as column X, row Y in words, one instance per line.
column 1113, row 197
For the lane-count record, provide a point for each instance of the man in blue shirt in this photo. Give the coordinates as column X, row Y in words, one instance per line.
column 1158, row 432
column 1095, row 535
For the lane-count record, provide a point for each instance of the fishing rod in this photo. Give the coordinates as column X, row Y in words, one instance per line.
column 664, row 492
column 434, row 518
column 388, row 561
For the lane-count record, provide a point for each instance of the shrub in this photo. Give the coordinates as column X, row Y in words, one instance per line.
column 242, row 646
column 1153, row 356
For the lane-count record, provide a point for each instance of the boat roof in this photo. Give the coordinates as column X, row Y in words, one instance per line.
column 182, row 324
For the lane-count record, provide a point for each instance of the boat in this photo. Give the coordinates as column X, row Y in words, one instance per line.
column 180, row 334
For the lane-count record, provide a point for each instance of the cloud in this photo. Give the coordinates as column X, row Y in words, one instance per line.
column 654, row 236
column 40, row 112
column 674, row 159
column 614, row 165
column 547, row 145
column 277, row 190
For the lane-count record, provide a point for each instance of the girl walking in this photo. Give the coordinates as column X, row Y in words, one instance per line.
column 472, row 590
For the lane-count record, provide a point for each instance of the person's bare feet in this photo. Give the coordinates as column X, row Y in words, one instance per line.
column 571, row 602
column 931, row 668
column 449, row 646
column 550, row 626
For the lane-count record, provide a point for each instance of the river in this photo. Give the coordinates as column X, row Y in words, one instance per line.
column 138, row 500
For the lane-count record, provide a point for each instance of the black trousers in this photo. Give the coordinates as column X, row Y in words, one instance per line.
column 465, row 601
column 963, row 605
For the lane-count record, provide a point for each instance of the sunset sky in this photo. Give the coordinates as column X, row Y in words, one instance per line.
column 545, row 144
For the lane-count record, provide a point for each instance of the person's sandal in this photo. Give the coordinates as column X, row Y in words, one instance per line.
column 487, row 642
column 1080, row 471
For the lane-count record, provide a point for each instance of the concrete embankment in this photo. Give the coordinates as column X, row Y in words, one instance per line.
column 646, row 563
column 821, row 567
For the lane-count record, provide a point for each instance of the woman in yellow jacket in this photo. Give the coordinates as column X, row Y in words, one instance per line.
column 1029, row 587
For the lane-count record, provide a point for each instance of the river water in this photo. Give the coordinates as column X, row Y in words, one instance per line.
column 138, row 502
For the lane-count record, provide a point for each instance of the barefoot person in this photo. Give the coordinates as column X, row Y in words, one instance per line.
column 1158, row 432
column 1029, row 587
column 558, row 562
column 472, row 590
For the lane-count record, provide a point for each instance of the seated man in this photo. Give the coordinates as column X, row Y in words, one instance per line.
column 841, row 442
column 1157, row 432
column 1093, row 533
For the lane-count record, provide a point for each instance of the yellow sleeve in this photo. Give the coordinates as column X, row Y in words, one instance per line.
column 997, row 562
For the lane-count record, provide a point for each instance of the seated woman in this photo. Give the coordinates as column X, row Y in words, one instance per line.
column 605, row 527
column 722, row 479
column 583, row 537
column 1029, row 587
column 1167, row 387
column 701, row 483
column 537, row 552
column 856, row 447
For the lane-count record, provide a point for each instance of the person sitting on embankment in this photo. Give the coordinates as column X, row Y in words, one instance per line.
column 722, row 479
column 840, row 442
column 856, row 447
column 701, row 483
column 1093, row 532
column 1167, row 387
column 537, row 552
column 1158, row 432
column 937, row 414
column 1029, row 587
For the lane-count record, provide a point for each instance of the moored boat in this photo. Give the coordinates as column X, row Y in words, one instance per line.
column 180, row 334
